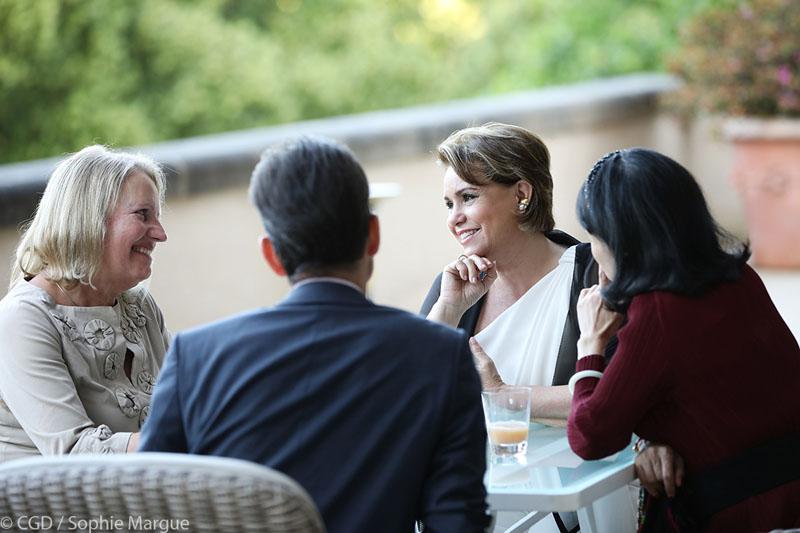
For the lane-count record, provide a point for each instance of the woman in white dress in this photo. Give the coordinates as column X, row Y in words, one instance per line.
column 80, row 344
column 516, row 285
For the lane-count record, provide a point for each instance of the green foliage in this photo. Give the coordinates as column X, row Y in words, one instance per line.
column 125, row 72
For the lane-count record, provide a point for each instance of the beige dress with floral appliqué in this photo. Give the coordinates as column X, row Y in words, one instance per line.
column 63, row 385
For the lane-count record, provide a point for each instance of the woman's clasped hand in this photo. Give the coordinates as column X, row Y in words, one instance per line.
column 465, row 281
column 598, row 323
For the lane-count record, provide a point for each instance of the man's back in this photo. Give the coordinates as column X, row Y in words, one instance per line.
column 374, row 411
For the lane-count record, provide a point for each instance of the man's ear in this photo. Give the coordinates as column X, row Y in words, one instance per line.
column 271, row 257
column 374, row 236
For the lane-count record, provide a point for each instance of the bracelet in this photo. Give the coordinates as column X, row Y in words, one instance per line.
column 640, row 445
column 579, row 376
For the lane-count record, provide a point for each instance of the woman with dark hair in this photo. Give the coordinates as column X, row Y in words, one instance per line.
column 704, row 362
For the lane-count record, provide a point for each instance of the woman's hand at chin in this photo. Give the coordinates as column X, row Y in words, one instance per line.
column 465, row 280
column 597, row 323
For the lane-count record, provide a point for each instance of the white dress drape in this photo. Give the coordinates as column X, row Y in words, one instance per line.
column 523, row 341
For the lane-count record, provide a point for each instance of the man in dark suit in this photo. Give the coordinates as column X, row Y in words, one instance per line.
column 374, row 411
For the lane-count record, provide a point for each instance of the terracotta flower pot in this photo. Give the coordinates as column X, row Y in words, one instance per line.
column 767, row 175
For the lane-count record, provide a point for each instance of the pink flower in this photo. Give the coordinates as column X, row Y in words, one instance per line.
column 784, row 75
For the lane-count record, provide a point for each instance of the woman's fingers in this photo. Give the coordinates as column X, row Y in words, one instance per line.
column 660, row 470
column 473, row 268
column 477, row 351
column 603, row 280
column 646, row 473
column 590, row 298
column 462, row 283
column 459, row 268
column 478, row 267
column 594, row 317
column 490, row 377
column 667, row 465
column 463, row 270
column 585, row 295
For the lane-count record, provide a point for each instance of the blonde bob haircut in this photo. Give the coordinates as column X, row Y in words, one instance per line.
column 64, row 241
column 504, row 154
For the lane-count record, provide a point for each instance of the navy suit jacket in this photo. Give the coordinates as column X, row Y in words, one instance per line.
column 374, row 411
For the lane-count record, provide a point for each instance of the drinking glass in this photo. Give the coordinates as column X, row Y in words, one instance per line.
column 507, row 413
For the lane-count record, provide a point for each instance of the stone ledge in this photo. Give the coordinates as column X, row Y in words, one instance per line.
column 760, row 129
column 201, row 164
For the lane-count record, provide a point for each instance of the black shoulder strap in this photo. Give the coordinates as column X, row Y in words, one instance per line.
column 584, row 274
column 432, row 296
column 561, row 237
column 469, row 320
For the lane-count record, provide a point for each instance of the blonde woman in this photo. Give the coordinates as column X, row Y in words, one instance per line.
column 80, row 343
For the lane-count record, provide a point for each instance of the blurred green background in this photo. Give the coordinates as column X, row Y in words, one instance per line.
column 75, row 72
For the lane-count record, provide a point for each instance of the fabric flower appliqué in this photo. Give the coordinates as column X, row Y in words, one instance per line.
column 128, row 402
column 67, row 326
column 145, row 381
column 111, row 366
column 100, row 334
column 132, row 318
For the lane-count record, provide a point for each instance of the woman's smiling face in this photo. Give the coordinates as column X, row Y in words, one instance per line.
column 480, row 217
column 132, row 230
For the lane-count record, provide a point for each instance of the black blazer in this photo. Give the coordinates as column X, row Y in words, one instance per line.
column 584, row 275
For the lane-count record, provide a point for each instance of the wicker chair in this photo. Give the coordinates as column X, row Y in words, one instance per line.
column 152, row 492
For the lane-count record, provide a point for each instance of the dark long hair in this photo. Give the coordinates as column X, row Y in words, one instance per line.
column 651, row 213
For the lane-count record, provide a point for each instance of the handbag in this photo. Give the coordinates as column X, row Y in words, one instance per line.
column 666, row 515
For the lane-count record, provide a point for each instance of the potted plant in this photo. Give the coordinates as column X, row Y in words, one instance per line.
column 743, row 60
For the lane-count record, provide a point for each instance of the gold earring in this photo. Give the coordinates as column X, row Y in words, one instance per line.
column 523, row 205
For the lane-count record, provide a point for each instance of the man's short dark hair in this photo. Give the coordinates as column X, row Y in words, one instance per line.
column 313, row 197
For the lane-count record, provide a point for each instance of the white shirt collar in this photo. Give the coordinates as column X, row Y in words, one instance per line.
column 327, row 279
